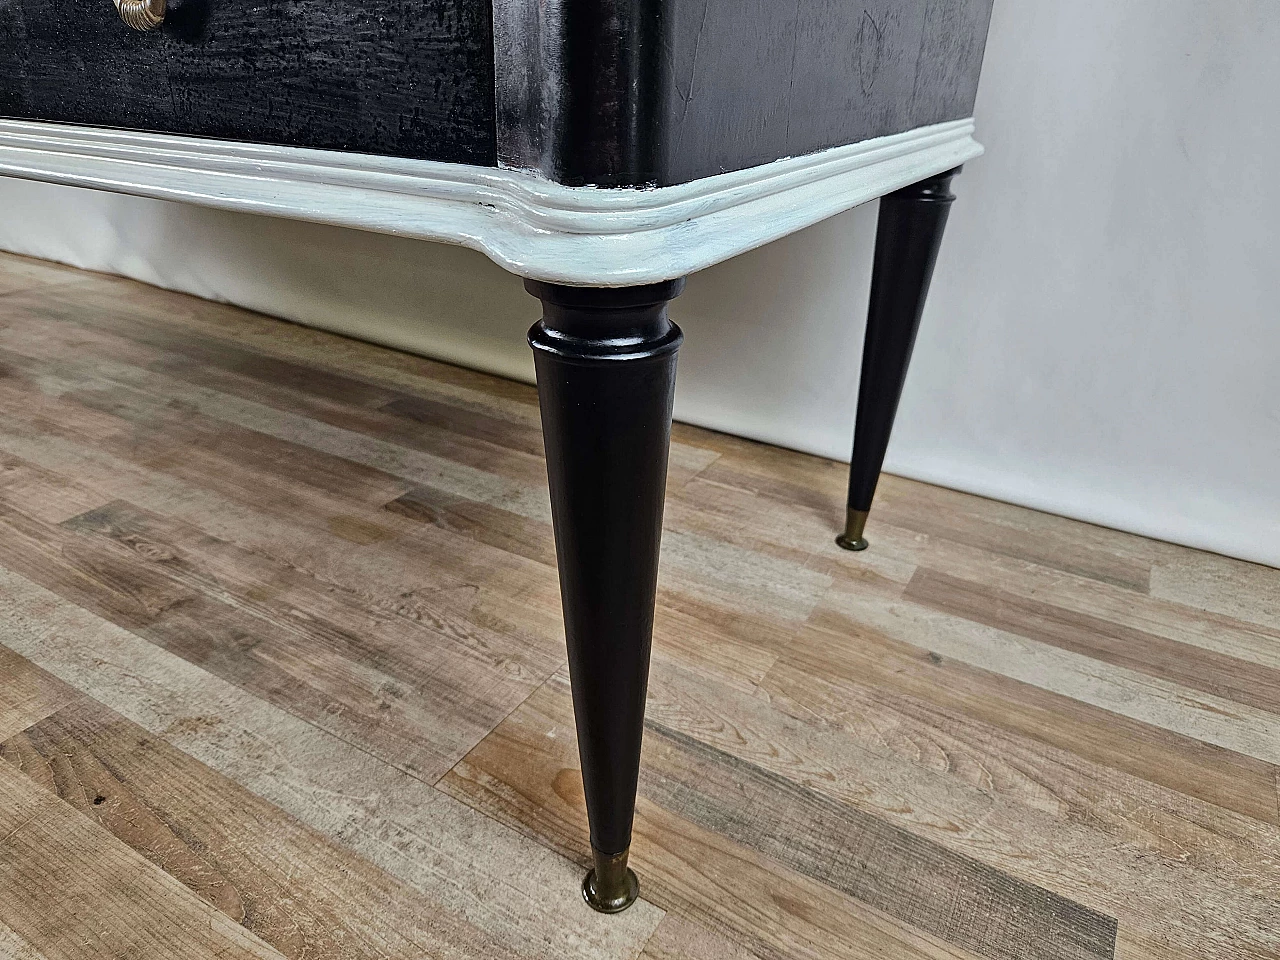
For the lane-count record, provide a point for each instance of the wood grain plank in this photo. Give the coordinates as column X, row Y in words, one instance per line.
column 478, row 521
column 728, row 575
column 712, row 571
column 189, row 352
column 526, row 774
column 13, row 947
column 140, row 311
column 736, row 647
column 408, row 629
column 995, row 529
column 1156, row 885
column 485, row 440
column 135, row 337
column 471, row 866
column 1003, row 530
column 452, row 678
column 410, row 695
column 679, row 939
column 789, row 479
column 711, row 506
column 420, row 574
column 48, row 754
column 431, row 583
column 1163, row 617
column 1127, row 812
column 395, row 447
column 107, row 317
column 787, row 529
column 198, row 337
column 46, row 496
column 71, row 890
column 1150, row 880
column 289, row 465
column 1183, row 763
column 27, row 694
column 1100, row 639
column 172, row 321
column 287, row 884
column 1201, row 716
column 900, row 873
column 445, row 416
column 1136, row 945
column 499, row 449
column 392, row 445
column 19, row 273
column 1233, row 588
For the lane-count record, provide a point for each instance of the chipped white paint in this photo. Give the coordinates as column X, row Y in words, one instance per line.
column 531, row 226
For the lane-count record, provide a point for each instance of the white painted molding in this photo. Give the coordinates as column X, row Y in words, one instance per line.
column 586, row 236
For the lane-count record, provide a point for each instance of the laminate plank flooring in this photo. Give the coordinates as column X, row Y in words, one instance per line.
column 71, row 889
column 282, row 675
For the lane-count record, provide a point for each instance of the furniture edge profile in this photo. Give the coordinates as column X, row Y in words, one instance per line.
column 530, row 226
column 616, row 93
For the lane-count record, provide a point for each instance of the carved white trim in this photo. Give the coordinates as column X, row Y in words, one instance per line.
column 586, row 236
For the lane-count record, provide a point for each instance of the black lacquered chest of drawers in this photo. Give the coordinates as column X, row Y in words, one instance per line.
column 602, row 150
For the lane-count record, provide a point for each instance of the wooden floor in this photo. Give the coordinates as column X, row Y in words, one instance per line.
column 282, row 675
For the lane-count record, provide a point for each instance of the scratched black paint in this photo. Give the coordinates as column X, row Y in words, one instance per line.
column 610, row 122
column 631, row 92
column 401, row 77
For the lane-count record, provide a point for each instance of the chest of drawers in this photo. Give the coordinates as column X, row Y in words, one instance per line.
column 600, row 149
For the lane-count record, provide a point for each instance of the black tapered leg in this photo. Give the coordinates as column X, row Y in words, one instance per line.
column 908, row 236
column 606, row 365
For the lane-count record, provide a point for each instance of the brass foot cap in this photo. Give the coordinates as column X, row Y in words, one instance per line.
column 852, row 538
column 610, row 886
column 858, row 544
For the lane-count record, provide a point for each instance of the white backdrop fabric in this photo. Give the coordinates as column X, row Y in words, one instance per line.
column 1102, row 340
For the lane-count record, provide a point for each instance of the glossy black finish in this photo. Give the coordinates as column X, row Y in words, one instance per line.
column 606, row 366
column 410, row 78
column 582, row 88
column 908, row 237
column 629, row 92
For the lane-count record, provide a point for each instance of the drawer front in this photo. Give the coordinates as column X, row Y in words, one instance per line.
column 409, row 78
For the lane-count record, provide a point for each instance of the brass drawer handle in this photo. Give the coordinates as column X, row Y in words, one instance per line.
column 141, row 14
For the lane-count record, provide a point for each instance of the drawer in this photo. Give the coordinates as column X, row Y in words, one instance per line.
column 409, row 78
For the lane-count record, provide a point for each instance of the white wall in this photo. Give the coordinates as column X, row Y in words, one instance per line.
column 1103, row 336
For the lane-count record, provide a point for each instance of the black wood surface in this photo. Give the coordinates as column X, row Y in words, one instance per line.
column 626, row 92
column 609, row 92
column 908, row 237
column 606, row 363
column 583, row 87
column 410, row 78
